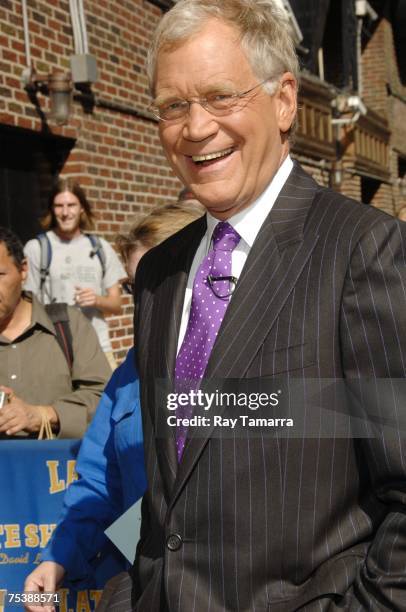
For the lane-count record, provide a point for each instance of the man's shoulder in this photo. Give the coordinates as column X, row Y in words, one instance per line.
column 339, row 212
column 113, row 269
column 52, row 237
column 324, row 194
column 110, row 253
column 59, row 311
column 77, row 325
column 76, row 317
column 325, row 197
column 32, row 248
column 105, row 244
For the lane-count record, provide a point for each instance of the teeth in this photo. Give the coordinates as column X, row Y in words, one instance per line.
column 210, row 156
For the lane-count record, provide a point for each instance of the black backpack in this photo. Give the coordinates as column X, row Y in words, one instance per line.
column 58, row 313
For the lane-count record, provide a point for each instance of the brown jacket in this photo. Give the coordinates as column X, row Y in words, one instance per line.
column 34, row 366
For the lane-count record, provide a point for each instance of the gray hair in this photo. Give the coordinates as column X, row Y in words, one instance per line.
column 264, row 33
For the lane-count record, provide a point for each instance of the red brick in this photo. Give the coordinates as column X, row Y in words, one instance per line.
column 118, row 157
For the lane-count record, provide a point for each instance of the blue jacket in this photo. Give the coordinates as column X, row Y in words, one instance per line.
column 111, row 472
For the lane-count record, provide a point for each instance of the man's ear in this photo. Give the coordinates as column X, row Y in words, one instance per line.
column 286, row 96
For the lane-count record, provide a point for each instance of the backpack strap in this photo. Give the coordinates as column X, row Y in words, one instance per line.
column 97, row 249
column 45, row 260
column 58, row 313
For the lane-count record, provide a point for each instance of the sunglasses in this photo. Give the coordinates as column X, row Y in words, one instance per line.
column 127, row 286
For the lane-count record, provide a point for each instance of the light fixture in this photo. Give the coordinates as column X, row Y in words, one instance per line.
column 60, row 92
column 344, row 104
column 58, row 85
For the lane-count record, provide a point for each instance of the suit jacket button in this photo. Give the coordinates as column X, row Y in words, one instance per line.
column 174, row 542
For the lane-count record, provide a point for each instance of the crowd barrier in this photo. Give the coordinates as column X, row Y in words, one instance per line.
column 33, row 478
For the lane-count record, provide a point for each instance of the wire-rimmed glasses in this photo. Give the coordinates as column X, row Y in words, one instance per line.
column 216, row 103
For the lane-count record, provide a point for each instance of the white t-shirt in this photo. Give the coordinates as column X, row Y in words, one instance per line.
column 72, row 265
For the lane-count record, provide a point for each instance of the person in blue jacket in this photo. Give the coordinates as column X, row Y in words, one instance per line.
column 110, row 462
column 112, row 476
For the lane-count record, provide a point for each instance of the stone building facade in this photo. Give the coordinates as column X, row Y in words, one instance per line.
column 110, row 142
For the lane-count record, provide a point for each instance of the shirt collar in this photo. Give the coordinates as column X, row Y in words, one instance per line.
column 39, row 318
column 248, row 222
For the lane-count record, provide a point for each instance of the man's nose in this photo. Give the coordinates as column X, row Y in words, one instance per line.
column 199, row 123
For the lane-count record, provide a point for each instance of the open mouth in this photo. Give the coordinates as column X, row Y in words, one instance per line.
column 211, row 158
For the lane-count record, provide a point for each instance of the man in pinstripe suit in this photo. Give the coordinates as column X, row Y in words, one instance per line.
column 309, row 523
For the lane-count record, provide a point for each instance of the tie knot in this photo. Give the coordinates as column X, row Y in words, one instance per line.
column 225, row 237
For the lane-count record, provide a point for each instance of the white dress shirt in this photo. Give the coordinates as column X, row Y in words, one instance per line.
column 247, row 223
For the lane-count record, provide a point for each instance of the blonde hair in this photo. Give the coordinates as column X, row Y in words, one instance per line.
column 158, row 225
column 264, row 34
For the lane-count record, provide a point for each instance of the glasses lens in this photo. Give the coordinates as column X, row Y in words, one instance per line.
column 173, row 110
column 220, row 103
column 127, row 287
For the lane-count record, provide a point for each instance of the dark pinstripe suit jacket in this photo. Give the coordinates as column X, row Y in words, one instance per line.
column 279, row 524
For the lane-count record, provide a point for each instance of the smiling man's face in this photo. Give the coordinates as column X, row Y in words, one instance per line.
column 226, row 161
column 67, row 210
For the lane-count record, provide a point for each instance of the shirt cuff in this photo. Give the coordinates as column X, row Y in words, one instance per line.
column 64, row 549
column 73, row 419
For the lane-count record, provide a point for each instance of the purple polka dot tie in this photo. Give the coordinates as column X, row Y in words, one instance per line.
column 210, row 299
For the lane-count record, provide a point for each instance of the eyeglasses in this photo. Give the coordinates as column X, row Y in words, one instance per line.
column 127, row 286
column 216, row 103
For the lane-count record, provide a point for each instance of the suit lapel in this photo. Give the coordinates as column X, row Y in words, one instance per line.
column 165, row 324
column 169, row 297
column 276, row 260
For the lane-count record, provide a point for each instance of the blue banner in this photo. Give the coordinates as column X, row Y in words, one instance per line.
column 34, row 476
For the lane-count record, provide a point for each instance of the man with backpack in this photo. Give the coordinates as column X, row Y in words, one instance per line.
column 66, row 264
column 52, row 369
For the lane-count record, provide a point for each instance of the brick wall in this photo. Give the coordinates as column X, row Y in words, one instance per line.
column 383, row 91
column 375, row 68
column 117, row 156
